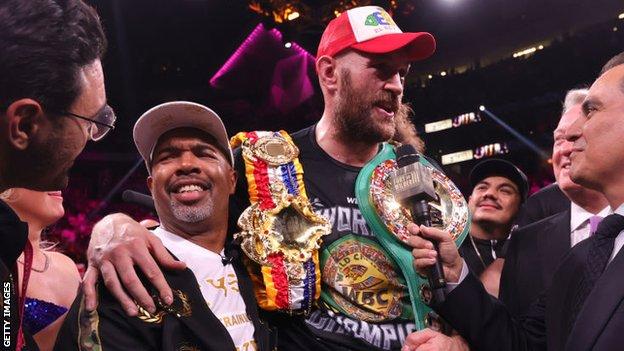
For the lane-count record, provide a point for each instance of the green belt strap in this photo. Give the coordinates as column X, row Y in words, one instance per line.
column 398, row 251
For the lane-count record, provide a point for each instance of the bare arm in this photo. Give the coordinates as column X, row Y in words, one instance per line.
column 118, row 243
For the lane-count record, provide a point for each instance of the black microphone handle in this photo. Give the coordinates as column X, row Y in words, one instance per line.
column 435, row 274
column 138, row 198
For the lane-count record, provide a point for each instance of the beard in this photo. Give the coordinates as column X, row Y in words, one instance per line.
column 44, row 165
column 354, row 114
column 192, row 214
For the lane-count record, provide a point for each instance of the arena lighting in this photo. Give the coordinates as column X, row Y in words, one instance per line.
column 525, row 52
column 458, row 121
column 481, row 108
column 490, row 150
column 485, row 151
column 439, row 125
column 292, row 16
column 253, row 36
column 621, row 16
column 457, row 157
column 443, row 73
column 531, row 145
column 287, row 45
column 430, row 76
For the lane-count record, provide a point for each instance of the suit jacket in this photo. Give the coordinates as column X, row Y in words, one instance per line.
column 487, row 325
column 546, row 202
column 190, row 326
column 532, row 258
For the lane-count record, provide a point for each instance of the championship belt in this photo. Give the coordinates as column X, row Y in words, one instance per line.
column 280, row 232
column 389, row 220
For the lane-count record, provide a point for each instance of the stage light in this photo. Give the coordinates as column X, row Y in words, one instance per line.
column 457, row 157
column 443, row 73
column 621, row 16
column 540, row 47
column 430, row 76
column 287, row 45
column 292, row 16
column 481, row 108
column 525, row 52
column 615, row 29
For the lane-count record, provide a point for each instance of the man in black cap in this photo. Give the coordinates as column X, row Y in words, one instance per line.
column 498, row 190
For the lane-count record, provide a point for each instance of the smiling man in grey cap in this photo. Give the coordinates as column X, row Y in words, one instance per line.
column 187, row 154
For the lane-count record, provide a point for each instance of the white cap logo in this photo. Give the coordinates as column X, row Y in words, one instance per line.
column 369, row 22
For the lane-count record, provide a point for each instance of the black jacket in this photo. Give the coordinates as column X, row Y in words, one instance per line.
column 13, row 237
column 199, row 330
column 532, row 258
column 544, row 203
column 487, row 325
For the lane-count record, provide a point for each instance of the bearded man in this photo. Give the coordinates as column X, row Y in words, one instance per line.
column 362, row 61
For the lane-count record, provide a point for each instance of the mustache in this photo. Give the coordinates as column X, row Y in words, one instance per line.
column 490, row 202
column 385, row 98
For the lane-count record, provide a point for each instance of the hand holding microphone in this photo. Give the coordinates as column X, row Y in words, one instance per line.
column 413, row 187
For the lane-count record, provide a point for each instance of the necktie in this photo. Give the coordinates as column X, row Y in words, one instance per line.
column 593, row 224
column 596, row 260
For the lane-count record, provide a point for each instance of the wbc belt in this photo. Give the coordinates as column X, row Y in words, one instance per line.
column 389, row 221
column 280, row 233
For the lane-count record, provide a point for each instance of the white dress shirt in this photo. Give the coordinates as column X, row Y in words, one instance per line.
column 579, row 222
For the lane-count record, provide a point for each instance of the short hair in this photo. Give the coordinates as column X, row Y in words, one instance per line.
column 614, row 61
column 574, row 97
column 43, row 45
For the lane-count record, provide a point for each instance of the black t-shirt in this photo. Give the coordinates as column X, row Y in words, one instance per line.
column 365, row 303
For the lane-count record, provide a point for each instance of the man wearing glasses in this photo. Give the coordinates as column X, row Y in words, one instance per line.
column 52, row 101
column 100, row 124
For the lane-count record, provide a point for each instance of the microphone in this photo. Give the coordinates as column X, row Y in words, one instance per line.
column 413, row 188
column 134, row 197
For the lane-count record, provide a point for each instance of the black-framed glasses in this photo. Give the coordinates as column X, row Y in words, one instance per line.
column 102, row 123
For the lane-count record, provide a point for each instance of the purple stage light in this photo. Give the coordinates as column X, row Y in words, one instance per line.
column 254, row 37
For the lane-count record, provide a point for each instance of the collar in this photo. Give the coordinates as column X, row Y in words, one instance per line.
column 183, row 249
column 13, row 235
column 579, row 216
column 619, row 210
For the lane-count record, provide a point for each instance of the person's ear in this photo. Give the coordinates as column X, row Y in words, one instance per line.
column 233, row 178
column 24, row 118
column 150, row 184
column 327, row 72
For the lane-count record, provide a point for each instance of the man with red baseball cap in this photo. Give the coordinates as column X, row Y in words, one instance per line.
column 363, row 58
column 370, row 29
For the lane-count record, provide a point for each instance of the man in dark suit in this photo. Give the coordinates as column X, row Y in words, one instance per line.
column 546, row 202
column 584, row 307
column 536, row 250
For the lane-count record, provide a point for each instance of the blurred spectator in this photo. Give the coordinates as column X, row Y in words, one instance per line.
column 54, row 279
column 499, row 188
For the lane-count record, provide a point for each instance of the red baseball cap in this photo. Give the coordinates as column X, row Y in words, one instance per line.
column 371, row 29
